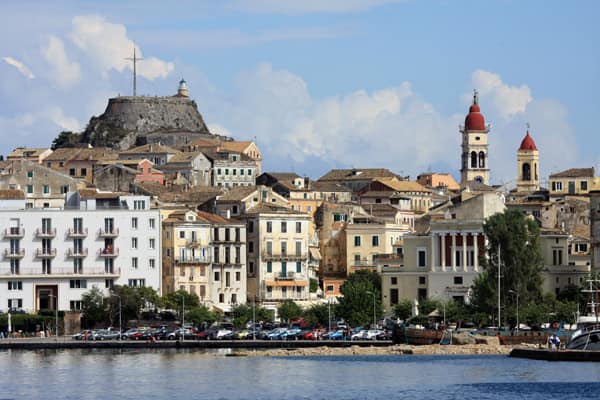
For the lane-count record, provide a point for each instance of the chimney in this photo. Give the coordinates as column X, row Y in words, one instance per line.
column 306, row 183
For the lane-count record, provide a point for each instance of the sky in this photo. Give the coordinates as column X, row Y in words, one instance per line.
column 319, row 84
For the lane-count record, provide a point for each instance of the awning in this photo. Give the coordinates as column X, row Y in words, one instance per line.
column 286, row 283
column 315, row 253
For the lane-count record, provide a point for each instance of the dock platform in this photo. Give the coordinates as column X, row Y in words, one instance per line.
column 554, row 355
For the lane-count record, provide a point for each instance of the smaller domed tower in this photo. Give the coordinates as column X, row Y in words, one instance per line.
column 182, row 91
column 528, row 164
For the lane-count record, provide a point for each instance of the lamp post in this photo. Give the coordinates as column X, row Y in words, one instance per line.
column 55, row 315
column 516, row 294
column 120, row 315
column 374, row 313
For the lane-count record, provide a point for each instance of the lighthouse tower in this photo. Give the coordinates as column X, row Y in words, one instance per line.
column 474, row 165
column 528, row 164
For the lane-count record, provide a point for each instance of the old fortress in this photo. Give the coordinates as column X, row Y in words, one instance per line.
column 148, row 196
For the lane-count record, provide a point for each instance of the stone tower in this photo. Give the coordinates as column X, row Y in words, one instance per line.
column 474, row 165
column 528, row 164
column 595, row 229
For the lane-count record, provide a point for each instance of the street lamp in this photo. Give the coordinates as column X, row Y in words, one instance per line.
column 55, row 315
column 182, row 316
column 374, row 313
column 120, row 315
column 516, row 294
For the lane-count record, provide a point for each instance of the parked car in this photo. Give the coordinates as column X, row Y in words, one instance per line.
column 334, row 335
column 276, row 333
column 183, row 333
column 132, row 334
column 85, row 334
column 105, row 334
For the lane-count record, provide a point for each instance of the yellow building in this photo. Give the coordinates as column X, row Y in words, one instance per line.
column 573, row 181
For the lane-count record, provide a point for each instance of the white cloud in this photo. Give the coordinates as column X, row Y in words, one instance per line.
column 308, row 6
column 109, row 47
column 22, row 68
column 64, row 72
column 507, row 100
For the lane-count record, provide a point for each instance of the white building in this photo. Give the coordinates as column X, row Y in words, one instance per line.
column 98, row 239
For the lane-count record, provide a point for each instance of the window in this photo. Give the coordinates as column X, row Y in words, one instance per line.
column 421, row 258
column 221, row 298
column 250, row 226
column 64, row 189
column 217, row 276
column 269, row 248
column 557, row 256
column 83, row 171
column 298, row 267
column 78, row 284
column 227, row 279
column 269, row 266
column 72, row 171
column 251, row 267
column 249, row 172
column 298, row 248
column 15, row 304
column 152, row 223
column 77, row 265
column 283, row 227
column 46, row 266
column 557, row 186
column 458, row 280
column 134, row 262
column 238, row 276
column 29, row 189
column 393, row 280
column 269, row 227
column 298, row 227
column 109, row 283
column 181, row 234
column 375, row 241
column 75, row 305
column 233, row 298
column 151, row 262
column 15, row 285
column 283, row 248
column 46, row 189
column 329, row 288
column 136, row 282
column 250, row 247
column 226, row 171
column 583, row 185
column 152, row 243
column 234, row 171
column 422, row 280
column 30, row 174
column 357, row 241
column 139, row 205
column 134, row 243
column 218, row 171
column 394, row 296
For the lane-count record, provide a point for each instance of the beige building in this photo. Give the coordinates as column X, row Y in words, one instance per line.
column 574, row 181
column 205, row 254
column 36, row 155
column 79, row 162
column 239, row 200
column 406, row 194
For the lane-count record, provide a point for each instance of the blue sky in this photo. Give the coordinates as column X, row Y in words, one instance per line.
column 341, row 83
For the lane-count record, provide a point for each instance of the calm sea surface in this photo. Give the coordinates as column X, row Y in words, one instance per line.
column 201, row 374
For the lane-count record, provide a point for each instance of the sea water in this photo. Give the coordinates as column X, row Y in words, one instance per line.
column 201, row 374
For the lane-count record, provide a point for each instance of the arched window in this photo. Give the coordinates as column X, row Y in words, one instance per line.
column 473, row 160
column 481, row 159
column 526, row 172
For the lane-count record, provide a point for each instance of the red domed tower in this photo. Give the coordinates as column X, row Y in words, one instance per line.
column 528, row 164
column 474, row 165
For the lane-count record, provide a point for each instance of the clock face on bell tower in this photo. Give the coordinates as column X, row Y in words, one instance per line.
column 479, row 179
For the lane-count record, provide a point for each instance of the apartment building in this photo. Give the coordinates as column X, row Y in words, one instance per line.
column 50, row 257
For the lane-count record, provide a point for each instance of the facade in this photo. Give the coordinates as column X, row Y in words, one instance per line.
column 528, row 166
column 43, row 187
column 192, row 169
column 205, row 254
column 249, row 149
column 97, row 240
column 36, row 155
column 156, row 153
column 241, row 199
column 474, row 158
column 574, row 181
column 231, row 169
column 278, row 255
column 79, row 162
column 436, row 181
column 406, row 195
column 595, row 229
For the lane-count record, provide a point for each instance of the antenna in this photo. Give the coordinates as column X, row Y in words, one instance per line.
column 135, row 60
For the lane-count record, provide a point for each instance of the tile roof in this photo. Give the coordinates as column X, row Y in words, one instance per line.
column 185, row 157
column 356, row 174
column 11, row 194
column 21, row 152
column 76, row 154
column 574, row 173
column 266, row 208
column 237, row 193
column 151, row 148
column 95, row 194
column 402, row 186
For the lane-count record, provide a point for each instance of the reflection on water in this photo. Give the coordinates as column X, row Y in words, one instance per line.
column 208, row 374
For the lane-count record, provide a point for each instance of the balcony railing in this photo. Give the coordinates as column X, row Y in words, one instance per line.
column 193, row 243
column 14, row 253
column 194, row 260
column 108, row 252
column 45, row 233
column 77, row 233
column 14, row 232
column 231, row 239
column 285, row 276
column 77, row 253
column 284, row 256
column 62, row 271
column 363, row 263
column 104, row 233
column 45, row 253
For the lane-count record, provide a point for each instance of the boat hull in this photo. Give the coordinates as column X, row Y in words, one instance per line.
column 415, row 336
column 585, row 341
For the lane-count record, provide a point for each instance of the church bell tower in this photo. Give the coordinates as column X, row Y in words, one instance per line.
column 474, row 166
column 528, row 161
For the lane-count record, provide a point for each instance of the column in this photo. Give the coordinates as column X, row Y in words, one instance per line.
column 465, row 259
column 443, row 238
column 433, row 243
column 475, row 252
column 453, row 252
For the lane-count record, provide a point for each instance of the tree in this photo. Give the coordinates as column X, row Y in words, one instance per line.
column 317, row 315
column 288, row 310
column 93, row 307
column 65, row 139
column 356, row 307
column 514, row 242
column 176, row 299
column 242, row 314
column 201, row 315
column 403, row 310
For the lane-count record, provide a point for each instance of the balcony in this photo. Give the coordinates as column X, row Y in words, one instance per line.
column 112, row 233
column 363, row 264
column 14, row 233
column 195, row 243
column 57, row 272
column 232, row 239
column 77, row 253
column 77, row 233
column 45, row 253
column 108, row 252
column 14, row 253
column 47, row 233
column 284, row 256
column 190, row 260
column 285, row 276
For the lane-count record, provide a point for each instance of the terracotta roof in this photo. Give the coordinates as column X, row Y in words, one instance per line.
column 402, row 186
column 237, row 193
column 151, row 148
column 203, row 142
column 383, row 193
column 265, row 208
column 317, row 186
column 215, row 218
column 479, row 187
column 235, row 146
column 185, row 157
column 356, row 174
column 75, row 154
column 20, row 152
column 95, row 194
column 11, row 194
column 575, row 173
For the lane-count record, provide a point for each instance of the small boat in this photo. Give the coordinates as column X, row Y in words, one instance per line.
column 587, row 335
column 418, row 336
